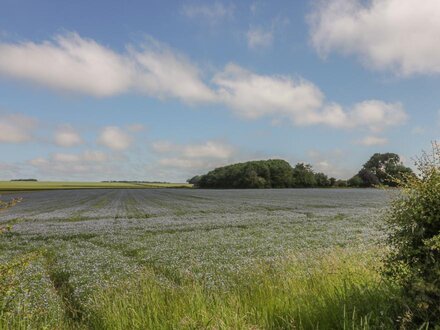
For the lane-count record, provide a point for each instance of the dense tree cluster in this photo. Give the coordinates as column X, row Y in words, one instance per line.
column 272, row 173
column 381, row 169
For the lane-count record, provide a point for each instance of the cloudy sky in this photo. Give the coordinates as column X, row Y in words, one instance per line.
column 163, row 90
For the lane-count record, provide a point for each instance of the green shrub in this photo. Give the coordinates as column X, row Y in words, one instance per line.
column 414, row 261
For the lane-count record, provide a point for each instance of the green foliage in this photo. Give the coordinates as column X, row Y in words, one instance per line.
column 386, row 167
column 340, row 183
column 369, row 179
column 414, row 262
column 272, row 173
column 322, row 180
column 339, row 291
column 381, row 169
column 194, row 180
column 303, row 175
column 355, row 181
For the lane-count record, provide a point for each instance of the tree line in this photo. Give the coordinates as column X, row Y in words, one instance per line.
column 380, row 170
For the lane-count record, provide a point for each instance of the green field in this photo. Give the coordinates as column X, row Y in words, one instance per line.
column 194, row 259
column 52, row 185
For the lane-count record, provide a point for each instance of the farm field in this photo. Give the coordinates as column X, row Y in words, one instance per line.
column 215, row 251
column 51, row 185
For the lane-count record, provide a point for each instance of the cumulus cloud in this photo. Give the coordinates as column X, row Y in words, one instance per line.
column 16, row 128
column 374, row 115
column 377, row 114
column 254, row 96
column 115, row 138
column 401, row 35
column 70, row 63
column 212, row 13
column 164, row 73
column 258, row 37
column 373, row 141
column 66, row 136
column 75, row 64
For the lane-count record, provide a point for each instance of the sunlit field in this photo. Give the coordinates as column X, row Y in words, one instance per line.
column 183, row 258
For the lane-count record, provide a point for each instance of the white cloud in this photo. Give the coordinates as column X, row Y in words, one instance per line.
column 212, row 13
column 401, row 35
column 258, row 37
column 16, row 128
column 81, row 65
column 69, row 63
column 377, row 114
column 254, row 96
column 67, row 136
column 373, row 141
column 114, row 138
column 374, row 115
column 163, row 73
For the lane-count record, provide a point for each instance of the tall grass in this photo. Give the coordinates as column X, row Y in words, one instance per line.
column 337, row 291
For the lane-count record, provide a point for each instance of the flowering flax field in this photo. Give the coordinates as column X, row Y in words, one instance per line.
column 184, row 258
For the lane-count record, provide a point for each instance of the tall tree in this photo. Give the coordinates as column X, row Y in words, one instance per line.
column 383, row 169
column 303, row 175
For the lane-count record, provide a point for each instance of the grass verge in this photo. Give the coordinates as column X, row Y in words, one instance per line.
column 337, row 291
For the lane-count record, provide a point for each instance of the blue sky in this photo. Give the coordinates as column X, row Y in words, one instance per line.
column 163, row 90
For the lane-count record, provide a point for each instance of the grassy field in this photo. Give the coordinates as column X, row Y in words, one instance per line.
column 49, row 185
column 195, row 259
